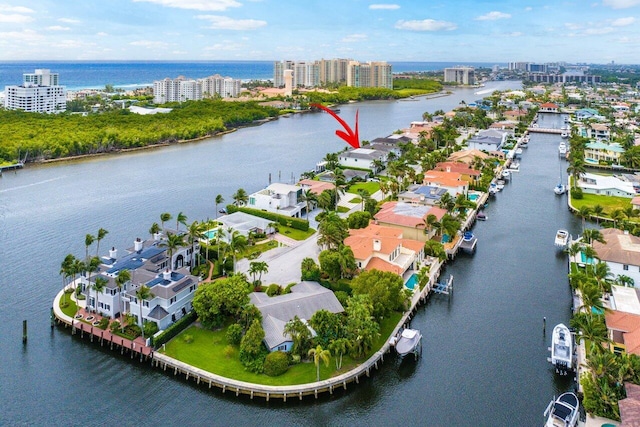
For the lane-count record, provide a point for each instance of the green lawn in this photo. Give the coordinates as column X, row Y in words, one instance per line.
column 206, row 351
column 262, row 247
column 355, row 200
column 71, row 308
column 370, row 187
column 609, row 203
column 294, row 233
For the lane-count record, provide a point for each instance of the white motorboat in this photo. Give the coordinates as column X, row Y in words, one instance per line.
column 514, row 166
column 518, row 152
column 563, row 411
column 481, row 216
column 564, row 134
column 562, row 149
column 410, row 341
column 560, row 189
column 505, row 174
column 562, row 238
column 562, row 349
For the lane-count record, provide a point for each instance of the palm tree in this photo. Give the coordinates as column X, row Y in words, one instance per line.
column 576, row 170
column 602, row 273
column 624, row 280
column 195, row 232
column 364, row 196
column 574, row 249
column 165, row 217
column 99, row 286
column 308, row 197
column 590, row 327
column 219, row 200
column 319, row 354
column 173, row 242
column 237, row 244
column 258, row 267
column 121, row 279
column 143, row 293
column 240, row 197
column 155, row 229
column 101, row 235
column 597, row 211
column 91, row 266
column 584, row 212
column 88, row 240
column 181, row 219
column 591, row 234
column 339, row 347
column 66, row 269
column 591, row 298
column 617, row 215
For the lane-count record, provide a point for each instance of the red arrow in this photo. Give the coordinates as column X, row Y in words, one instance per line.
column 349, row 136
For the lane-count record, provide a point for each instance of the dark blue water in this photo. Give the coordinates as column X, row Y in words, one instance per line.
column 484, row 360
column 131, row 74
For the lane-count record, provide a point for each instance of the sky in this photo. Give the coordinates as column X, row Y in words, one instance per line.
column 592, row 31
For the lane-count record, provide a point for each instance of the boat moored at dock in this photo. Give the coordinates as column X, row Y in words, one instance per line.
column 409, row 341
column 562, row 238
column 563, row 411
column 562, row 349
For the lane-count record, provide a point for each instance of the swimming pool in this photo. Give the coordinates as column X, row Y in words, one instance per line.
column 473, row 197
column 584, row 259
column 412, row 282
column 211, row 234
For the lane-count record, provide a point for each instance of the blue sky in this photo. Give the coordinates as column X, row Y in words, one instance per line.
column 595, row 31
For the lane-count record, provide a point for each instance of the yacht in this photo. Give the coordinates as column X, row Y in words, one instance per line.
column 563, row 411
column 562, row 238
column 562, row 149
column 562, row 349
column 410, row 341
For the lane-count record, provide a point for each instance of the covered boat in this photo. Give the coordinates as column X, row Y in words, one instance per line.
column 563, row 411
column 409, row 342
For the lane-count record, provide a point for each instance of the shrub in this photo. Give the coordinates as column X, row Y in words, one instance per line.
column 115, row 325
column 234, row 334
column 150, row 329
column 273, row 289
column 188, row 338
column 104, row 322
column 276, row 363
column 229, row 351
column 576, row 193
column 175, row 329
column 287, row 290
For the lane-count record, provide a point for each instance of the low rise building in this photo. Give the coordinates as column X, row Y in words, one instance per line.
column 410, row 218
column 283, row 199
column 621, row 252
column 606, row 185
column 362, row 158
column 599, row 151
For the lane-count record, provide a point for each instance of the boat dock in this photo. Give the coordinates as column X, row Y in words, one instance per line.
column 469, row 245
column 545, row 130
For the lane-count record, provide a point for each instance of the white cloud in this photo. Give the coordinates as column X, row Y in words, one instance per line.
column 623, row 22
column 226, row 23
column 149, row 43
column 102, row 34
column 384, row 6
column 620, row 4
column 58, row 28
column 492, row 16
column 572, row 26
column 426, row 25
column 69, row 20
column 24, row 36
column 14, row 18
column 598, row 31
column 15, row 9
column 528, row 9
column 204, row 5
column 354, row 38
column 71, row 44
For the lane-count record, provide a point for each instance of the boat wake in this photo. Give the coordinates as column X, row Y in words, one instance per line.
column 6, row 190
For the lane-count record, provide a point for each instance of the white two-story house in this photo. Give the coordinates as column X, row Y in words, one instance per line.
column 283, row 199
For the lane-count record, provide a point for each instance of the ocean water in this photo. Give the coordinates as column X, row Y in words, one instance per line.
column 132, row 74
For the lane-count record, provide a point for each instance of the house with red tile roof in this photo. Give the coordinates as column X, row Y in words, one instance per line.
column 624, row 331
column 451, row 181
column 466, row 171
column 630, row 406
column 316, row 187
column 467, row 156
column 383, row 248
column 548, row 107
column 410, row 218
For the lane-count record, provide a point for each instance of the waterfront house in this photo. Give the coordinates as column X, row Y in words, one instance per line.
column 450, row 181
column 549, row 107
column 488, row 140
column 588, row 113
column 148, row 263
column 304, row 300
column 383, row 248
column 467, row 173
column 623, row 319
column 621, row 252
column 515, row 115
column 596, row 152
column 422, row 194
column 362, row 158
column 283, row 199
column 316, row 187
column 467, row 156
column 606, row 185
column 598, row 131
column 244, row 224
column 411, row 218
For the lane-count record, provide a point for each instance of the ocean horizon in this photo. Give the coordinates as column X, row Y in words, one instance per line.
column 75, row 75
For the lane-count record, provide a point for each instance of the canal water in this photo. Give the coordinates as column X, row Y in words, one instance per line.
column 484, row 359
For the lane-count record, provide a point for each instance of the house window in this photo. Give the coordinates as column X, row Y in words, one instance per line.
column 252, row 200
column 625, row 267
column 282, row 348
column 172, row 300
column 146, row 303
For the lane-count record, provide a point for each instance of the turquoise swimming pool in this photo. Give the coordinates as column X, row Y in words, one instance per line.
column 473, row 197
column 411, row 283
column 585, row 260
column 211, row 234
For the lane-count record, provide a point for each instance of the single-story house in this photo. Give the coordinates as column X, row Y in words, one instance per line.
column 422, row 194
column 606, row 185
column 245, row 223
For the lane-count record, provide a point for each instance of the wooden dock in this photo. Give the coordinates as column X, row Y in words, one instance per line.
column 544, row 130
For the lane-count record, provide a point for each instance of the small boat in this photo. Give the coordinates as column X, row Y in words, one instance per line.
column 514, row 166
column 500, row 187
column 518, row 152
column 562, row 149
column 410, row 341
column 562, row 238
column 562, row 349
column 493, row 189
column 506, row 174
column 481, row 216
column 564, row 134
column 563, row 411
column 524, row 144
column 467, row 236
column 560, row 189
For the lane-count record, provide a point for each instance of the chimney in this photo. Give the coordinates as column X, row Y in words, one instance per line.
column 377, row 245
column 113, row 253
column 166, row 275
column 137, row 245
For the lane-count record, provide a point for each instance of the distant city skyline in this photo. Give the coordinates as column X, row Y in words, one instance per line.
column 596, row 31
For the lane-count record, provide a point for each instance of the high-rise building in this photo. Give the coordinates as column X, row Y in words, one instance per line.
column 181, row 89
column 315, row 73
column 460, row 75
column 39, row 92
column 369, row 74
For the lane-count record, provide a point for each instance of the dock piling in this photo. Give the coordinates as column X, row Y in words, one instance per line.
column 24, row 331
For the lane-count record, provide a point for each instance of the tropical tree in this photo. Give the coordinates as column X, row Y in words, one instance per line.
column 361, row 328
column 143, row 293
column 215, row 301
column 598, row 210
column 195, row 232
column 166, row 216
column 155, row 229
column 591, row 297
column 576, row 169
column 258, row 267
column 219, row 200
column 591, row 234
column 339, row 347
column 602, row 273
column 181, row 218
column 300, row 335
column 102, row 233
column 332, row 231
column 319, row 354
column 624, row 280
column 591, row 328
column 584, row 212
column 121, row 279
column 66, row 271
column 237, row 244
column 99, row 286
column 172, row 243
column 240, row 197
column 617, row 215
column 309, row 197
column 88, row 240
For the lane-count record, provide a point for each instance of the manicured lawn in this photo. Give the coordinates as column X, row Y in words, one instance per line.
column 262, row 247
column 370, row 187
column 71, row 308
column 355, row 200
column 294, row 233
column 609, row 203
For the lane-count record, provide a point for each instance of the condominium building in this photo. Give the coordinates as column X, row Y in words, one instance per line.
column 182, row 89
column 460, row 75
column 39, row 92
column 369, row 74
column 353, row 73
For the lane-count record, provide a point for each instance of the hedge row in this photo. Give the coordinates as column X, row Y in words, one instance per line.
column 175, row 329
column 297, row 223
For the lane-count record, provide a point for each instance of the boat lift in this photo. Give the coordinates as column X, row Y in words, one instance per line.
column 445, row 288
